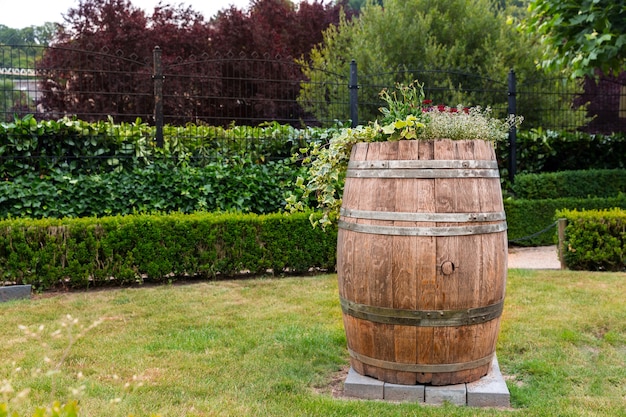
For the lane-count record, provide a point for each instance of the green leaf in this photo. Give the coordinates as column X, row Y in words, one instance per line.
column 389, row 129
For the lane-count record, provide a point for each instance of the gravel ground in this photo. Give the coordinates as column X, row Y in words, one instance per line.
column 542, row 257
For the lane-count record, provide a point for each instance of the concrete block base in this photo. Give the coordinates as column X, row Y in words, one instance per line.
column 14, row 292
column 454, row 394
column 360, row 386
column 488, row 391
column 412, row 393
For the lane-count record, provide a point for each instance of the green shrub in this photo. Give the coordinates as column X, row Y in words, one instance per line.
column 79, row 253
column 528, row 217
column 73, row 147
column 595, row 240
column 576, row 184
column 238, row 186
column 541, row 150
column 76, row 147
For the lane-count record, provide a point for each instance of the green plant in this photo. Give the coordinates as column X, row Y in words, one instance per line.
column 406, row 101
column 326, row 173
column 239, row 184
column 540, row 150
column 390, row 45
column 92, row 252
column 56, row 409
column 460, row 123
column 75, row 147
column 595, row 240
column 526, row 218
column 404, row 117
column 579, row 37
column 578, row 184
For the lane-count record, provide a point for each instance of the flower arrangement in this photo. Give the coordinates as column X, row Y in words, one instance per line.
column 406, row 116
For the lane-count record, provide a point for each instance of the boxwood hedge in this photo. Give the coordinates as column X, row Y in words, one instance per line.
column 86, row 252
column 530, row 222
column 595, row 239
column 577, row 184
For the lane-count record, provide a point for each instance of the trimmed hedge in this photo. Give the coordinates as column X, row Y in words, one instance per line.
column 85, row 252
column 528, row 217
column 576, row 184
column 595, row 240
column 540, row 150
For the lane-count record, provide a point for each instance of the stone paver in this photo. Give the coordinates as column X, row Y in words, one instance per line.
column 360, row 386
column 396, row 392
column 14, row 292
column 454, row 394
column 489, row 391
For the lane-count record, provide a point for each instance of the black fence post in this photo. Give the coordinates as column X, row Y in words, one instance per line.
column 158, row 78
column 512, row 128
column 354, row 94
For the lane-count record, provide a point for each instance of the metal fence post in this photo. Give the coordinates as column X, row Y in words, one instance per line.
column 353, row 86
column 157, row 77
column 562, row 224
column 512, row 128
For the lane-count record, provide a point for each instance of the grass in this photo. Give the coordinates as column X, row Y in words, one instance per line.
column 272, row 347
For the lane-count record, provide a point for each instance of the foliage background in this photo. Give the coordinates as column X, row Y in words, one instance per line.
column 580, row 37
column 389, row 44
column 117, row 35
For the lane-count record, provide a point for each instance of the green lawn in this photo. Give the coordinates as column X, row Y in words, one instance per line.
column 271, row 347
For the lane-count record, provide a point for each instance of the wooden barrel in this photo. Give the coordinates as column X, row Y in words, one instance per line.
column 422, row 260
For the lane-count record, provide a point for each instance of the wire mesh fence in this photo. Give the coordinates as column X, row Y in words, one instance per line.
column 90, row 85
column 52, row 82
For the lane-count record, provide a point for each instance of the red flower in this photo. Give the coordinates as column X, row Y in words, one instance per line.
column 442, row 108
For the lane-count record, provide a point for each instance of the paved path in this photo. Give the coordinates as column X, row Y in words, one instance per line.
column 541, row 257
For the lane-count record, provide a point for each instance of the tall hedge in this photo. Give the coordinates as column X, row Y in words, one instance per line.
column 576, row 184
column 161, row 187
column 540, row 150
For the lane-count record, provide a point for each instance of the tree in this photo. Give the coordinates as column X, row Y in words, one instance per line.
column 101, row 62
column 357, row 5
column 32, row 35
column 19, row 50
column 261, row 80
column 409, row 39
column 580, row 36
